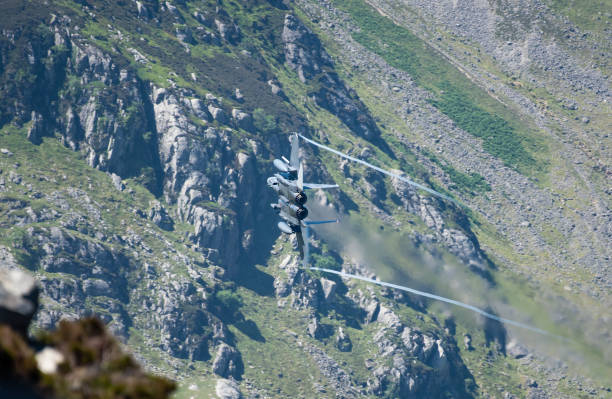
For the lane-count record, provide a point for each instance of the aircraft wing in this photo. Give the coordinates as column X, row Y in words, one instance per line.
column 311, row 222
column 316, row 186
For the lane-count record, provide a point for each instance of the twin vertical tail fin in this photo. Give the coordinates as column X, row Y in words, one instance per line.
column 306, row 238
column 300, row 179
column 294, row 159
column 306, row 255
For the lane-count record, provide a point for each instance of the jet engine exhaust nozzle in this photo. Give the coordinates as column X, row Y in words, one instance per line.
column 301, row 213
column 301, row 198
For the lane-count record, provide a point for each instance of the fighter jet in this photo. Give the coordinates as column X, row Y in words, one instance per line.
column 290, row 187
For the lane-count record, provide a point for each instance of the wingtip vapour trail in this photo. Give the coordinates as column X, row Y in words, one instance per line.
column 442, row 299
column 386, row 172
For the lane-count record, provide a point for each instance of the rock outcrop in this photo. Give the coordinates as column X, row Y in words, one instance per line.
column 305, row 54
column 461, row 243
column 444, row 374
column 227, row 362
column 343, row 342
column 227, row 389
column 213, row 202
column 158, row 215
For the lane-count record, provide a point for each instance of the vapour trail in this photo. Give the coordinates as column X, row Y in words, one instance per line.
column 386, row 172
column 439, row 298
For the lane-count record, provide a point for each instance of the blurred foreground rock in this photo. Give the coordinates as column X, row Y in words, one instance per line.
column 80, row 359
column 18, row 299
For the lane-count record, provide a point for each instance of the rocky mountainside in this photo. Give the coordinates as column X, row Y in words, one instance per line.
column 136, row 138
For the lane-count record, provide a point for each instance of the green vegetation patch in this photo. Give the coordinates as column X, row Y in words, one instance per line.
column 264, row 122
column 454, row 94
column 499, row 137
column 470, row 183
column 588, row 14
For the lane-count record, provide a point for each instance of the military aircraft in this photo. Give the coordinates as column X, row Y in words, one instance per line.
column 290, row 187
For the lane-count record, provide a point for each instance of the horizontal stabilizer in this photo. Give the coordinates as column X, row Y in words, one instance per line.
column 311, row 222
column 315, row 186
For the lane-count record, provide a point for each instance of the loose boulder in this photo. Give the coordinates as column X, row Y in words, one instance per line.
column 343, row 342
column 227, row 362
column 227, row 389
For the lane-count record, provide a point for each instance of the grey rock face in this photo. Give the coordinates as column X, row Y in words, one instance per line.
column 228, row 31
column 305, row 54
column 457, row 241
column 205, row 177
column 397, row 342
column 467, row 342
column 243, row 120
column 218, row 114
column 375, row 186
column 304, row 291
column 227, row 389
column 408, row 362
column 343, row 342
column 329, row 289
column 173, row 11
column 185, row 35
column 315, row 330
column 372, row 309
column 79, row 268
column 95, row 287
column 63, row 252
column 18, row 298
column 37, row 130
column 303, row 50
column 387, row 317
column 203, row 18
column 143, row 11
column 227, row 28
column 275, row 87
column 117, row 182
column 158, row 215
column 238, row 95
column 107, row 126
column 227, row 362
column 516, row 349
